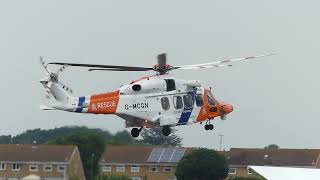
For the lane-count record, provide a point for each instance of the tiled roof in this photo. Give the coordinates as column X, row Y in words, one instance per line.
column 35, row 153
column 273, row 157
column 127, row 154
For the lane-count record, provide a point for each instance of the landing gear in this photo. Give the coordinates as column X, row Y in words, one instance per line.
column 208, row 126
column 135, row 132
column 166, row 130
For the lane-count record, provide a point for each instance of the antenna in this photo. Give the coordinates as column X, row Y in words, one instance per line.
column 221, row 138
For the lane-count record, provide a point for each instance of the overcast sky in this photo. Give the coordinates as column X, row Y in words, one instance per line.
column 276, row 99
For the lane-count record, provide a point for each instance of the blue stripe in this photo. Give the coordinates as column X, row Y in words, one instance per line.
column 80, row 104
column 186, row 113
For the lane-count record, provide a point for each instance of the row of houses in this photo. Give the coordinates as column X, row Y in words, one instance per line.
column 51, row 162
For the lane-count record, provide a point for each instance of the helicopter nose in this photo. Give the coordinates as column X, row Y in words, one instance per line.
column 227, row 108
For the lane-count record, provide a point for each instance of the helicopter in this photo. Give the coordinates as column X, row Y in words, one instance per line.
column 159, row 100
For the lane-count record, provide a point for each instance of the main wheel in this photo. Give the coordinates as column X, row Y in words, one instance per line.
column 207, row 127
column 211, row 126
column 166, row 130
column 135, row 132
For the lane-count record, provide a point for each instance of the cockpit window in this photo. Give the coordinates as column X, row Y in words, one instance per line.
column 210, row 101
column 171, row 85
column 199, row 100
column 187, row 99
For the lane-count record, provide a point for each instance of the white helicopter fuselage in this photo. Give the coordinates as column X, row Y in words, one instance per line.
column 150, row 101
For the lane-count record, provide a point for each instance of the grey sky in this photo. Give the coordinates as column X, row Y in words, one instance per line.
column 275, row 99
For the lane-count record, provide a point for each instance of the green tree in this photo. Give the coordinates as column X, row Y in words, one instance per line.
column 154, row 136
column 91, row 145
column 122, row 137
column 43, row 136
column 202, row 164
column 272, row 146
column 5, row 139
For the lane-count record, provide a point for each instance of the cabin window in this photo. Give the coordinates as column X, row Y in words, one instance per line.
column 210, row 101
column 177, row 102
column 187, row 99
column 199, row 100
column 165, row 103
column 171, row 85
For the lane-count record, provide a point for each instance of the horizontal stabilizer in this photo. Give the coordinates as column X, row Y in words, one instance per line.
column 46, row 108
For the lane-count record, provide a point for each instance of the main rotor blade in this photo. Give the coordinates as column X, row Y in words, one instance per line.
column 44, row 65
column 114, row 69
column 162, row 60
column 123, row 68
column 219, row 63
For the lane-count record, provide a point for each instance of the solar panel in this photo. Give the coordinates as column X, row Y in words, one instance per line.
column 155, row 154
column 177, row 155
column 166, row 155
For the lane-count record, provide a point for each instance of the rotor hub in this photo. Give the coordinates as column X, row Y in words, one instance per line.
column 54, row 77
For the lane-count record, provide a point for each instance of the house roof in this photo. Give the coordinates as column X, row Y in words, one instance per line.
column 36, row 153
column 129, row 154
column 273, row 157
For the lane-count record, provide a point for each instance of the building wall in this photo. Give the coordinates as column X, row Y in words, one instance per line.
column 24, row 171
column 144, row 173
column 242, row 172
column 75, row 168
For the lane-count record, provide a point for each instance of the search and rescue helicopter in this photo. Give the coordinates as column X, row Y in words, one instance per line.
column 159, row 100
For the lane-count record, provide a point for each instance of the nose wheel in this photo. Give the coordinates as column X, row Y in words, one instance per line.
column 208, row 126
column 135, row 132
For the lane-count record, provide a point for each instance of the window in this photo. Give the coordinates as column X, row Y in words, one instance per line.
column 106, row 168
column 232, row 170
column 47, row 167
column 61, row 168
column 2, row 166
column 165, row 103
column 153, row 168
column 15, row 167
column 171, row 85
column 120, row 168
column 177, row 102
column 135, row 168
column 33, row 167
column 187, row 99
column 199, row 100
column 167, row 168
column 210, row 101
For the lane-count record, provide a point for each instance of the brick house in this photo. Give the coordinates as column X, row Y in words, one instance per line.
column 239, row 159
column 49, row 162
column 141, row 162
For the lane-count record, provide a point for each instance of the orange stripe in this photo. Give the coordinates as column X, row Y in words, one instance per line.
column 106, row 103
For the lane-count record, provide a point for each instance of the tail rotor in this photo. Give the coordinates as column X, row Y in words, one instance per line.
column 53, row 78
